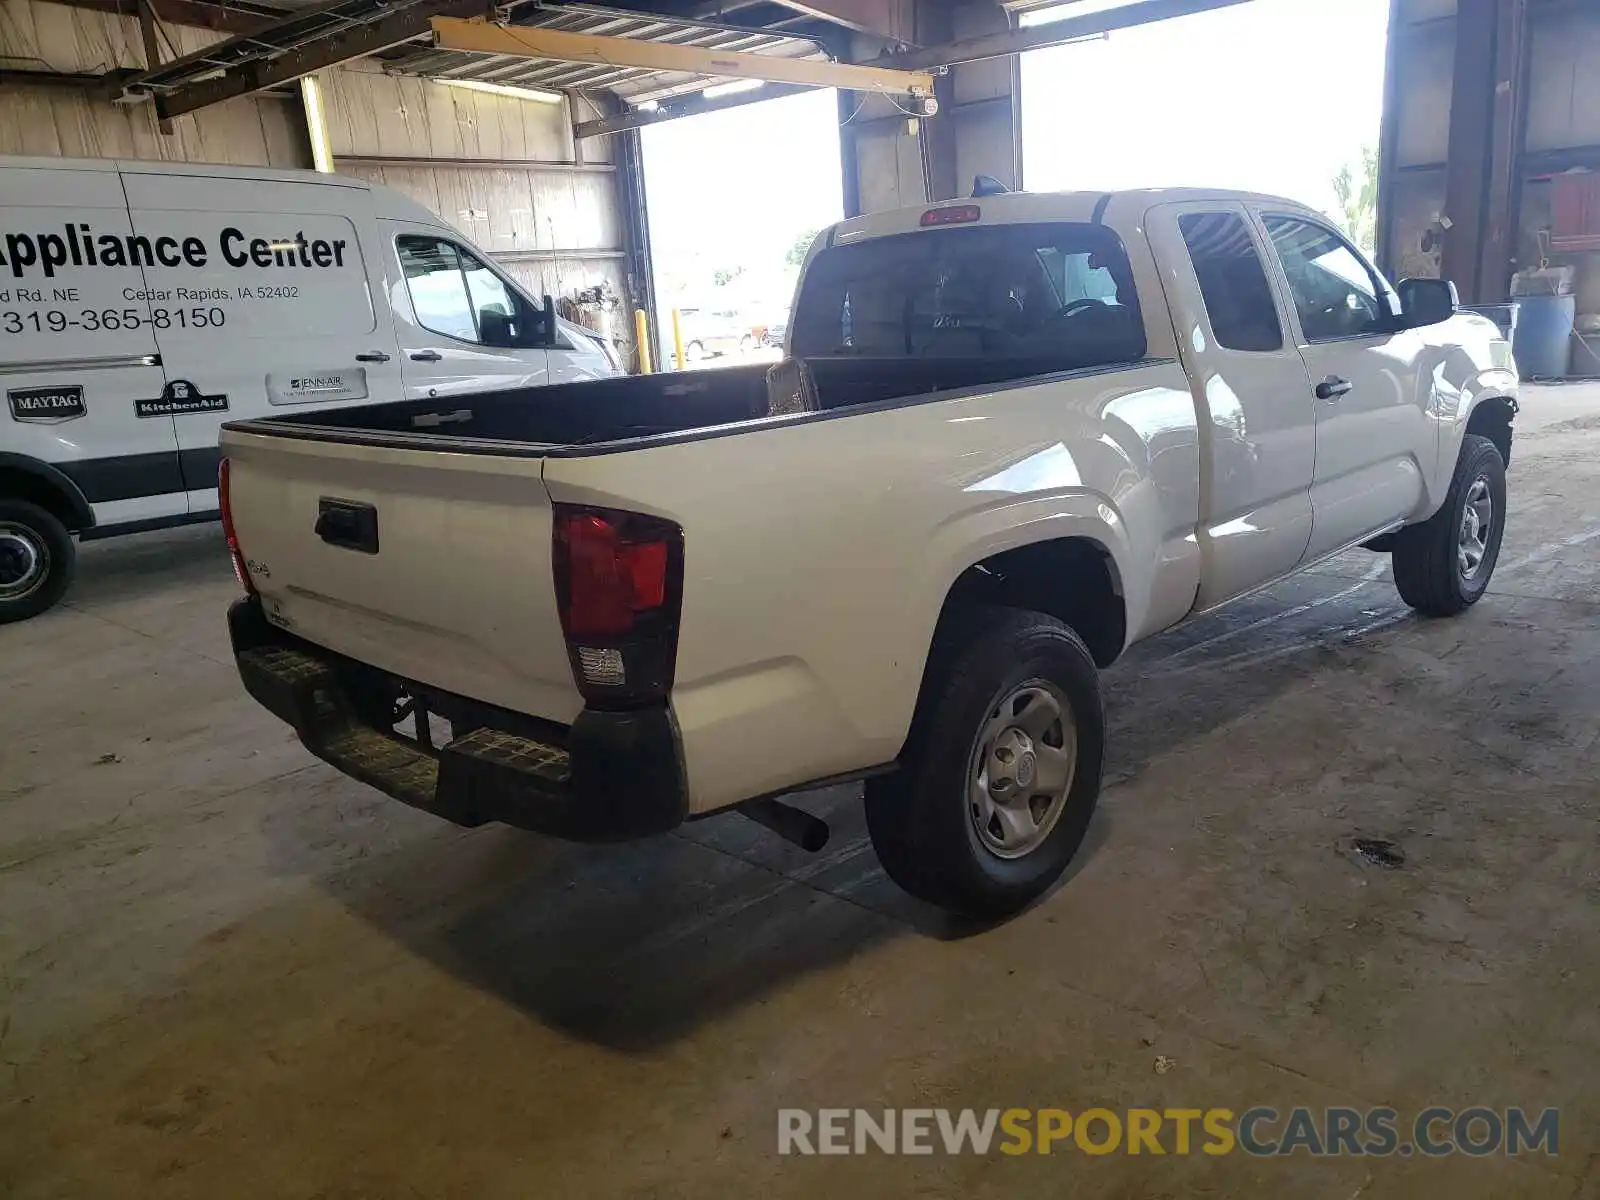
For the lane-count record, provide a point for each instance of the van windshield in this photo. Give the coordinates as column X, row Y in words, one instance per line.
column 1037, row 297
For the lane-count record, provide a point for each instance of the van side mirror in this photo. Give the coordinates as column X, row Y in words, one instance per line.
column 1427, row 301
column 549, row 330
column 496, row 328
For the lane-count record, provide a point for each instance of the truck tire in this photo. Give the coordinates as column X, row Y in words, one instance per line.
column 1443, row 565
column 1001, row 771
column 37, row 557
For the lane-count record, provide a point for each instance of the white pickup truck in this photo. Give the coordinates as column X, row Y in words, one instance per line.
column 1013, row 435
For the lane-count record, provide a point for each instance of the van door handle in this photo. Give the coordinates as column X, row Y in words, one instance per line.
column 425, row 356
column 1332, row 388
column 372, row 356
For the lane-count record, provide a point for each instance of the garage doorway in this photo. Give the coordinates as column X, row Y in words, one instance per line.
column 1272, row 96
column 734, row 197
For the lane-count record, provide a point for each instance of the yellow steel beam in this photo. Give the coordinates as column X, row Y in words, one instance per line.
column 532, row 41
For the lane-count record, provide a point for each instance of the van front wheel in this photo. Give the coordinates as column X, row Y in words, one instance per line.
column 36, row 560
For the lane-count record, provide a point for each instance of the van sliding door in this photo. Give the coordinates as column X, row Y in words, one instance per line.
column 77, row 344
column 264, row 302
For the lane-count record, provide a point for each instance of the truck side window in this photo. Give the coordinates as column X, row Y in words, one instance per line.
column 1233, row 282
column 456, row 294
column 1335, row 292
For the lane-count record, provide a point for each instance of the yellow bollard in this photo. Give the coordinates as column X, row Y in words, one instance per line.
column 641, row 335
column 677, row 337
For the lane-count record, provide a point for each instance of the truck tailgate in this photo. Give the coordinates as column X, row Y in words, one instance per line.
column 452, row 585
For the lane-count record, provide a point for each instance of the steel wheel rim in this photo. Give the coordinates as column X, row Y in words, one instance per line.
column 1021, row 769
column 1477, row 524
column 24, row 561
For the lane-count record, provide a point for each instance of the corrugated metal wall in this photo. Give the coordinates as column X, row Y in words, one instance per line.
column 890, row 163
column 553, row 223
column 503, row 170
column 72, row 123
column 1563, row 123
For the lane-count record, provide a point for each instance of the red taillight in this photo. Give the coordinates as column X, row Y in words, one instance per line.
column 224, row 503
column 609, row 577
column 619, row 579
column 959, row 214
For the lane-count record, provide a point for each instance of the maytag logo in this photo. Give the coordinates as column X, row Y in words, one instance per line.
column 46, row 405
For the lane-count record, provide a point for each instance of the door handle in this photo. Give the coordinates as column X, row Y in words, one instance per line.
column 425, row 356
column 372, row 356
column 1332, row 388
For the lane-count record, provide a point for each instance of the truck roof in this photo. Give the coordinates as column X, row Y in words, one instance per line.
column 1125, row 206
column 386, row 202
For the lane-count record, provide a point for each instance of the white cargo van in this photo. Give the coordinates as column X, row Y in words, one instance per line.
column 143, row 304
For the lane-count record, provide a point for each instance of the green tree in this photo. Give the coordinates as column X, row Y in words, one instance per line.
column 802, row 243
column 1358, row 200
column 723, row 276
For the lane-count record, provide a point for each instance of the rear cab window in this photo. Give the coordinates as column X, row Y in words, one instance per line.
column 1017, row 300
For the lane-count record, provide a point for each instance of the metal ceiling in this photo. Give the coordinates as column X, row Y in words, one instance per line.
column 634, row 85
column 295, row 30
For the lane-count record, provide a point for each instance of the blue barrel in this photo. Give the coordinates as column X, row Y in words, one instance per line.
column 1543, row 344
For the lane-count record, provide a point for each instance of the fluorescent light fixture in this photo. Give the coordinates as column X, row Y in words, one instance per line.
column 316, row 124
column 732, row 88
column 648, row 105
column 504, row 89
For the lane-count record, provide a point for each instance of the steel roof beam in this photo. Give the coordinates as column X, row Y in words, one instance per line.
column 261, row 65
column 532, row 41
column 688, row 108
column 1055, row 33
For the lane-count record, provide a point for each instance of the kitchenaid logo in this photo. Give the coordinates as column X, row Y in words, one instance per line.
column 46, row 405
column 179, row 397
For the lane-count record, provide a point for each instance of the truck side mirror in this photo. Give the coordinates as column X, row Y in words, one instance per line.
column 1427, row 301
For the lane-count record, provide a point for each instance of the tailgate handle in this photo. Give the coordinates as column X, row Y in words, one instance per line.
column 348, row 523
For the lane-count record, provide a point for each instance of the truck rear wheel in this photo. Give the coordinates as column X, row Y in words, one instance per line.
column 1443, row 565
column 1001, row 772
column 36, row 560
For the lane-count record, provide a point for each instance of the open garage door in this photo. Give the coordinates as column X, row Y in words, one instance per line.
column 1272, row 96
column 734, row 198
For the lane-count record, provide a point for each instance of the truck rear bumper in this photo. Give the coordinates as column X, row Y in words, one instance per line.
column 611, row 776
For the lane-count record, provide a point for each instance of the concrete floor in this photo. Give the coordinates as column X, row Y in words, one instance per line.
column 229, row 972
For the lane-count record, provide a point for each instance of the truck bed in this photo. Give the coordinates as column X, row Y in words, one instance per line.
column 597, row 412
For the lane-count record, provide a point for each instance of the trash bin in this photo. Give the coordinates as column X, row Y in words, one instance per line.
column 1543, row 343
